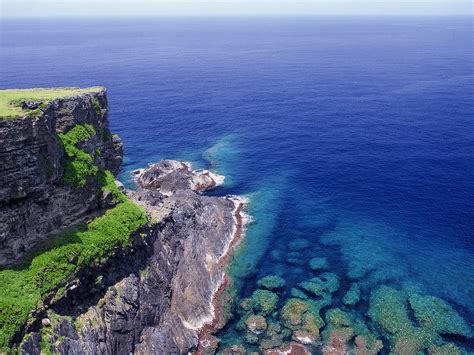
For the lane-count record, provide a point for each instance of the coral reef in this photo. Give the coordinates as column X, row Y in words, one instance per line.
column 298, row 244
column 446, row 349
column 290, row 349
column 389, row 309
column 292, row 313
column 438, row 316
column 317, row 264
column 297, row 293
column 352, row 296
column 233, row 350
column 272, row 282
column 256, row 324
column 298, row 314
column 341, row 328
column 264, row 302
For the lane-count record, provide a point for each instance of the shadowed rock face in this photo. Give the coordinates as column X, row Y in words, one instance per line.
column 154, row 298
column 34, row 201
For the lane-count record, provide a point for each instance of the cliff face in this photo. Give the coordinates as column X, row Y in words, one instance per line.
column 34, row 199
column 152, row 291
column 154, row 298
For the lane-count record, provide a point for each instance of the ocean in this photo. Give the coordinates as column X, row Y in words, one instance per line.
column 352, row 137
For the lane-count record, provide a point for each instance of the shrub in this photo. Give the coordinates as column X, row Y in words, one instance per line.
column 96, row 105
column 79, row 164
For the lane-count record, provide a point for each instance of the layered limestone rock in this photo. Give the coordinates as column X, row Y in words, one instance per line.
column 154, row 298
column 34, row 199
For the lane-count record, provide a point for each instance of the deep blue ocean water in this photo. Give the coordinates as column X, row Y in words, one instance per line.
column 356, row 134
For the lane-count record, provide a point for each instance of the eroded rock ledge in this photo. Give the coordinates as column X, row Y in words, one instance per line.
column 157, row 296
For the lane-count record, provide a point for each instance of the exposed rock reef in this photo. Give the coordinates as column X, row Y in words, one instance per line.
column 34, row 199
column 155, row 297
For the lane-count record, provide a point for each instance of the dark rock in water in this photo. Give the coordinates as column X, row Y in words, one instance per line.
column 156, row 297
column 170, row 176
column 34, row 200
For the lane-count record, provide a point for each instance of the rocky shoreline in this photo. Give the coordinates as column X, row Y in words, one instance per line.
column 207, row 342
column 182, row 176
column 164, row 300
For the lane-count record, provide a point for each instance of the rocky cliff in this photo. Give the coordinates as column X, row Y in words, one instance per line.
column 35, row 200
column 155, row 297
column 138, row 278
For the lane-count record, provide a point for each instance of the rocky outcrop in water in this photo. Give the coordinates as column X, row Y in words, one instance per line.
column 34, row 200
column 155, row 297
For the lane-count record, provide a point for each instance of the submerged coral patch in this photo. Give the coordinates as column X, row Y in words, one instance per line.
column 436, row 315
column 272, row 282
column 352, row 296
column 317, row 264
column 256, row 324
column 264, row 301
column 298, row 244
column 292, row 312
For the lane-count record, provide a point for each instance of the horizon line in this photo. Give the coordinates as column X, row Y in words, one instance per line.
column 101, row 16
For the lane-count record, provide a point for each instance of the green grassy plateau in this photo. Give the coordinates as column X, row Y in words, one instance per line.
column 10, row 99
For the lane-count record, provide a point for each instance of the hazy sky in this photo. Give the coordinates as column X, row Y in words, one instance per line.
column 43, row 8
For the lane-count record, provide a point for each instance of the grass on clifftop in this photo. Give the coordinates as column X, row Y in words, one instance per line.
column 23, row 288
column 9, row 99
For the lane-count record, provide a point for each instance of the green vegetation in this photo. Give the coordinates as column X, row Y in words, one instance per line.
column 107, row 183
column 96, row 105
column 24, row 288
column 10, row 99
column 79, row 164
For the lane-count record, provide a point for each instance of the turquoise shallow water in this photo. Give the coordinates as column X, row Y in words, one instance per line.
column 352, row 134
